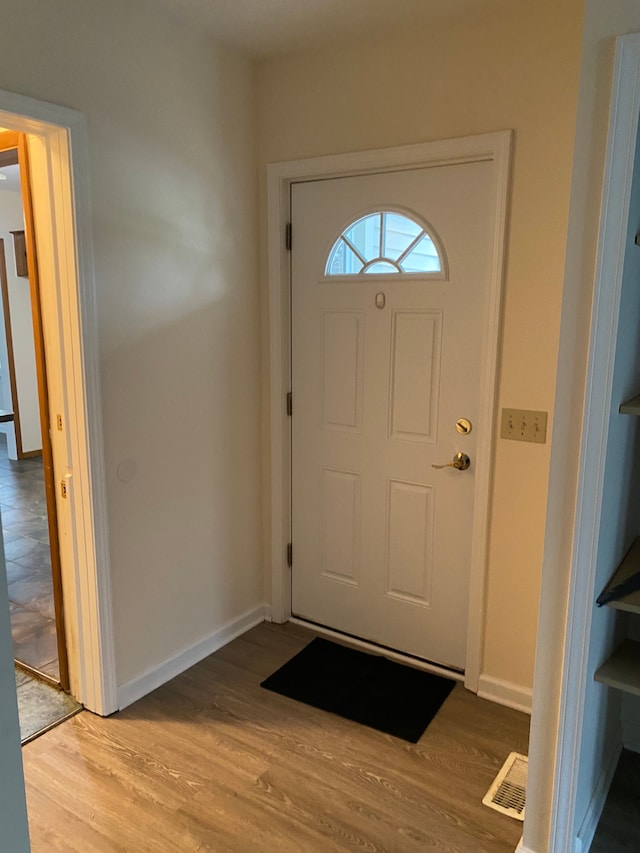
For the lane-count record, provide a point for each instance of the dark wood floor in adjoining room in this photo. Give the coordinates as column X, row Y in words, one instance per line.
column 213, row 762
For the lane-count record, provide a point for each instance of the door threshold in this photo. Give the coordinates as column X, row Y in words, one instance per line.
column 36, row 673
column 401, row 657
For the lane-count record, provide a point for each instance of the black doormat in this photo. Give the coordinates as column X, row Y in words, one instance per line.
column 367, row 689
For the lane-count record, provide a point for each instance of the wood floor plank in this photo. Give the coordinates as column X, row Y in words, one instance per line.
column 211, row 761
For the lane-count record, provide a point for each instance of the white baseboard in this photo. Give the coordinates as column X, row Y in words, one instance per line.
column 163, row 672
column 505, row 693
column 594, row 810
column 522, row 849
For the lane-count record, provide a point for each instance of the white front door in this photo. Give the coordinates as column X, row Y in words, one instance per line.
column 389, row 284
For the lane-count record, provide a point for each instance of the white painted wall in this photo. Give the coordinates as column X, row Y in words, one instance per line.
column 13, row 808
column 517, row 69
column 6, row 402
column 173, row 185
column 5, row 388
column 11, row 219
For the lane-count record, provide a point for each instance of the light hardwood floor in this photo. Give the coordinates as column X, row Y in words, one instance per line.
column 213, row 762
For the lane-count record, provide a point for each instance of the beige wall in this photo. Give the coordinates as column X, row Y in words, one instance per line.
column 517, row 70
column 172, row 179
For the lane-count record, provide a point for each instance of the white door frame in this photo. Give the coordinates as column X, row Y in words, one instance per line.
column 495, row 147
column 60, row 183
column 553, row 774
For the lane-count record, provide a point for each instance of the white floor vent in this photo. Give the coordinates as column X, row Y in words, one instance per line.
column 508, row 792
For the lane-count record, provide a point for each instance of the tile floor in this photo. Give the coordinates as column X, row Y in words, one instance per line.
column 28, row 560
column 41, row 706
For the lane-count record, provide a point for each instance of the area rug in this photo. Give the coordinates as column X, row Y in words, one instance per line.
column 368, row 689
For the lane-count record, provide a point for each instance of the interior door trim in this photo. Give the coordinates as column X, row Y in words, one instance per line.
column 43, row 409
column 58, row 152
column 494, row 147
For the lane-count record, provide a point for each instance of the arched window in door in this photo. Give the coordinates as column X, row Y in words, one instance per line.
column 386, row 242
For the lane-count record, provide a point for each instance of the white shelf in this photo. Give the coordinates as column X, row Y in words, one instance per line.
column 631, row 407
column 622, row 669
column 629, row 566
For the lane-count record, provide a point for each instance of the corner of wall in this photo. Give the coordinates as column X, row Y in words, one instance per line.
column 596, row 804
column 515, row 696
column 161, row 673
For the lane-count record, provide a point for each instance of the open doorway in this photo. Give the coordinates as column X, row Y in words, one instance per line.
column 27, row 492
column 52, row 142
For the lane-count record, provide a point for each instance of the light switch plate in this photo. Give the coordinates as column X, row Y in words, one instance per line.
column 524, row 425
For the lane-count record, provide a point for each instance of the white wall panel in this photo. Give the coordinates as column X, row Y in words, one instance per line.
column 341, row 525
column 342, row 344
column 409, row 541
column 415, row 352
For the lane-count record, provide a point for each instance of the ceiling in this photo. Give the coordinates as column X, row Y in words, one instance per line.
column 262, row 28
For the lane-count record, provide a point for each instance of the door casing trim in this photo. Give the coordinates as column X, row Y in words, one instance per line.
column 570, row 563
column 495, row 147
column 60, row 181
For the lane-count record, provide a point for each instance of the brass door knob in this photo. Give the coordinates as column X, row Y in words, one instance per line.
column 460, row 461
